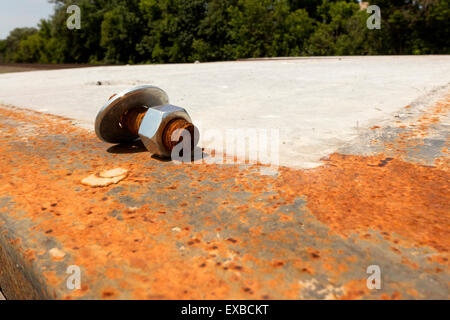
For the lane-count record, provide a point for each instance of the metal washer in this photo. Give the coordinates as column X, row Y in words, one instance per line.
column 107, row 122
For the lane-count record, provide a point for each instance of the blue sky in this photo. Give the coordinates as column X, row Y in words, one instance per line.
column 22, row 13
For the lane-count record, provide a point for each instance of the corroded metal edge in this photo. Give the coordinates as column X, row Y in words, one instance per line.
column 17, row 280
column 221, row 231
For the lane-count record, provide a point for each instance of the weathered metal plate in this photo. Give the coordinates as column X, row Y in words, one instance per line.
column 203, row 231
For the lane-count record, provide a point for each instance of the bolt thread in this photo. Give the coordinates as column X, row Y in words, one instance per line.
column 133, row 118
column 173, row 133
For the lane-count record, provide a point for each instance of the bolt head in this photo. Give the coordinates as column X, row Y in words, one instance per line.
column 153, row 124
column 107, row 123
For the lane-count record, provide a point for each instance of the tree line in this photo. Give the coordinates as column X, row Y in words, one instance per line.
column 169, row 31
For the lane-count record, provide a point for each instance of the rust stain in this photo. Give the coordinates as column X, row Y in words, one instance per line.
column 351, row 194
column 420, row 128
column 135, row 245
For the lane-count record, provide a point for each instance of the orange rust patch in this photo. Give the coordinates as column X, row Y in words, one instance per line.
column 355, row 290
column 395, row 296
column 349, row 194
column 114, row 273
column 109, row 294
column 420, row 128
column 408, row 204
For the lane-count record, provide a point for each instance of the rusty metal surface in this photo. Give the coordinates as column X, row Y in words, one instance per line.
column 204, row 231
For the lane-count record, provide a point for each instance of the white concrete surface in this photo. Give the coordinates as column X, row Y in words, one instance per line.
column 318, row 104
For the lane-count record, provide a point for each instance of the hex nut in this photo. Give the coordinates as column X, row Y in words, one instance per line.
column 107, row 123
column 153, row 125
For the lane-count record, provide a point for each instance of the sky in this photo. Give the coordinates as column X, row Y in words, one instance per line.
column 22, row 13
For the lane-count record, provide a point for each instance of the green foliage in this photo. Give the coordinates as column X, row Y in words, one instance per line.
column 2, row 49
column 173, row 30
column 168, row 31
column 342, row 31
column 120, row 32
column 11, row 45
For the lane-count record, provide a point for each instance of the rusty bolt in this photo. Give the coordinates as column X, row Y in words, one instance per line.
column 160, row 128
column 144, row 113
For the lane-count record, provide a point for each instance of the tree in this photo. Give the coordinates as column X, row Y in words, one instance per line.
column 173, row 26
column 256, row 26
column 213, row 41
column 2, row 50
column 161, row 31
column 331, row 35
column 120, row 32
column 12, row 42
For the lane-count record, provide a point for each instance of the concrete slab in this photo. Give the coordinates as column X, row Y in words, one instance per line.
column 318, row 104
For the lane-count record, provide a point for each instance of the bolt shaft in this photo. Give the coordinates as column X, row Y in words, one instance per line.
column 132, row 119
